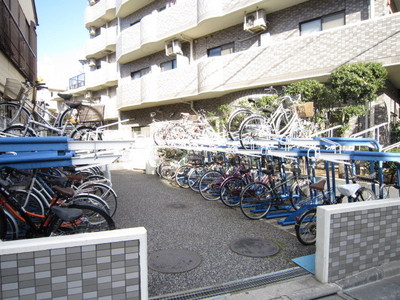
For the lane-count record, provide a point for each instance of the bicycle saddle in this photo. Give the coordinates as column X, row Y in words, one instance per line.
column 67, row 214
column 65, row 96
column 320, row 185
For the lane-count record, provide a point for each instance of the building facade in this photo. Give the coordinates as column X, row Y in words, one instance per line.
column 173, row 56
column 18, row 59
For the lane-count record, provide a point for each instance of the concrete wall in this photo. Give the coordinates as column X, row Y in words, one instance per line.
column 355, row 237
column 109, row 264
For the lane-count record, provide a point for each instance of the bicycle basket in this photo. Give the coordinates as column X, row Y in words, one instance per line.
column 305, row 110
column 13, row 90
column 93, row 113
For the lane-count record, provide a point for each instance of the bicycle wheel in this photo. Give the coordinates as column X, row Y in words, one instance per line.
column 93, row 219
column 181, row 176
column 210, row 185
column 254, row 128
column 300, row 194
column 90, row 199
column 12, row 231
column 256, row 200
column 364, row 194
column 194, row 177
column 19, row 130
column 167, row 171
column 103, row 191
column 12, row 114
column 86, row 133
column 306, row 227
column 31, row 203
column 235, row 120
column 230, row 191
column 79, row 116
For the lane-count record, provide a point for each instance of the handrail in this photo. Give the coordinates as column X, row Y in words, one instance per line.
column 369, row 130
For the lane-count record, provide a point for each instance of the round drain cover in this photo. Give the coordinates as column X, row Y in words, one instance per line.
column 174, row 261
column 254, row 247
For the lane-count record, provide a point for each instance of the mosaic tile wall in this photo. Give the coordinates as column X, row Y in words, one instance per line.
column 363, row 239
column 102, row 271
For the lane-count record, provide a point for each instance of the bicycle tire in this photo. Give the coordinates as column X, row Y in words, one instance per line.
column 12, row 232
column 20, row 130
column 235, row 120
column 86, row 133
column 300, row 194
column 103, row 191
column 256, row 200
column 31, row 203
column 252, row 129
column 181, row 176
column 74, row 116
column 231, row 190
column 365, row 194
column 194, row 178
column 210, row 185
column 3, row 224
column 90, row 199
column 306, row 227
column 93, row 219
column 9, row 117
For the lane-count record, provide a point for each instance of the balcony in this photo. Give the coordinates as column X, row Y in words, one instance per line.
column 156, row 88
column 126, row 7
column 101, row 78
column 102, row 44
column 100, row 13
column 192, row 18
column 310, row 57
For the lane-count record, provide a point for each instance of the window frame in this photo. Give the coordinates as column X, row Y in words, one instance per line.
column 142, row 72
column 173, row 62
column 321, row 22
column 221, row 49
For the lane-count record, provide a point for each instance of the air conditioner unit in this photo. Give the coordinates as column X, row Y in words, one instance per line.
column 92, row 62
column 92, row 31
column 255, row 21
column 88, row 95
column 173, row 47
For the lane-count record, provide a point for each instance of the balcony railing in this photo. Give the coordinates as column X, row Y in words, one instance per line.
column 100, row 13
column 106, row 41
column 313, row 56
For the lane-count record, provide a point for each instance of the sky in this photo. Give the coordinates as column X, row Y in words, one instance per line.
column 61, row 37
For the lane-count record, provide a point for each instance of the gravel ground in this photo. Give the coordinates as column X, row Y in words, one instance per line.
column 177, row 218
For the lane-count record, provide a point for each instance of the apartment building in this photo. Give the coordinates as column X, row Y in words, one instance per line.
column 173, row 56
column 18, row 21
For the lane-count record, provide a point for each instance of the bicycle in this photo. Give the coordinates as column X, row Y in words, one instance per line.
column 257, row 198
column 27, row 117
column 18, row 222
column 306, row 224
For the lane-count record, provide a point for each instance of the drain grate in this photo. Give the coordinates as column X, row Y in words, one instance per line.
column 235, row 286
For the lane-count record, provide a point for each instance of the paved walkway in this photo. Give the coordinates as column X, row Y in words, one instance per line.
column 177, row 218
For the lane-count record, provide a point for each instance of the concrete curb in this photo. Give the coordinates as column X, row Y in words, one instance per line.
column 371, row 275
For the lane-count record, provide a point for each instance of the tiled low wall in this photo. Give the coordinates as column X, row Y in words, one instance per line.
column 100, row 265
column 355, row 237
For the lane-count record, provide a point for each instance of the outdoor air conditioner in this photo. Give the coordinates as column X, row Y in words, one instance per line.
column 92, row 62
column 88, row 95
column 92, row 31
column 255, row 21
column 173, row 47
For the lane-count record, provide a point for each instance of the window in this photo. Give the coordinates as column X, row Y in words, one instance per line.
column 140, row 73
column 221, row 50
column 393, row 7
column 168, row 65
column 323, row 23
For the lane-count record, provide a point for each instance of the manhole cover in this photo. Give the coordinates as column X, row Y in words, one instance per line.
column 174, row 261
column 176, row 205
column 254, row 247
